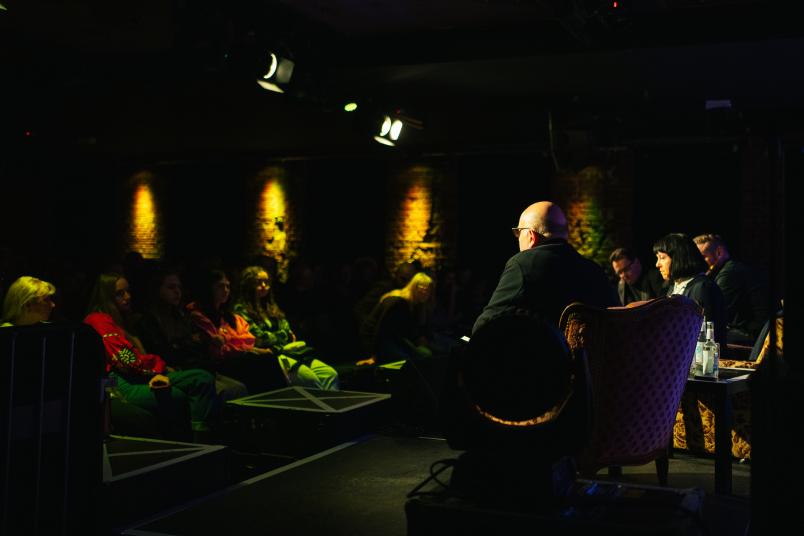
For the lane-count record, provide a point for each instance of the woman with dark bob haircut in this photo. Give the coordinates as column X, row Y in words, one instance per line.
column 681, row 264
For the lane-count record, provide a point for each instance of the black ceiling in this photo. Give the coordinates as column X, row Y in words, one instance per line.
column 90, row 69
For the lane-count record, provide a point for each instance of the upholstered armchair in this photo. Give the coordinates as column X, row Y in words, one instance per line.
column 694, row 428
column 639, row 359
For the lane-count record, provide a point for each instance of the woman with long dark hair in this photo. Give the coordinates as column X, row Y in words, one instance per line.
column 228, row 338
column 165, row 327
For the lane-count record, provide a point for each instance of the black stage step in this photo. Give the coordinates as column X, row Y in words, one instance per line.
column 298, row 421
column 142, row 476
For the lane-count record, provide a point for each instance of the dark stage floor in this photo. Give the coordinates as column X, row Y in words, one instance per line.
column 360, row 488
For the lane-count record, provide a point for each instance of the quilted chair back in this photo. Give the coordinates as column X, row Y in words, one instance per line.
column 639, row 361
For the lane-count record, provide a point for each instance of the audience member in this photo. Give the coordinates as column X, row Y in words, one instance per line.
column 166, row 329
column 28, row 301
column 402, row 273
column 682, row 266
column 140, row 375
column 548, row 273
column 744, row 292
column 228, row 337
column 271, row 330
column 397, row 328
column 635, row 284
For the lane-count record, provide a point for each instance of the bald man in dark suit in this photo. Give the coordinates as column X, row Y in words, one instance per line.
column 547, row 274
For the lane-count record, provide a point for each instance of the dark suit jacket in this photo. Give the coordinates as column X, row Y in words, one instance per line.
column 745, row 295
column 547, row 278
column 649, row 285
column 707, row 294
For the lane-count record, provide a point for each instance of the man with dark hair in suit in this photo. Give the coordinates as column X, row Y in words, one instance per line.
column 547, row 274
column 635, row 284
column 745, row 293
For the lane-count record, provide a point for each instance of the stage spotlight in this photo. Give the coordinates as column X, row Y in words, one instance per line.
column 350, row 107
column 277, row 73
column 390, row 129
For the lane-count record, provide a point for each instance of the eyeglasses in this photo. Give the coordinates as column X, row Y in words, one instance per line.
column 517, row 230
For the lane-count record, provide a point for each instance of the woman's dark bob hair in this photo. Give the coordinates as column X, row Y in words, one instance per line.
column 687, row 260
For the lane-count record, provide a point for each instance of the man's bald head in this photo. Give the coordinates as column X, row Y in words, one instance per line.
column 546, row 218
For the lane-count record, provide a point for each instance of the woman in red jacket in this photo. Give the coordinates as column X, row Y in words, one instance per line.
column 141, row 375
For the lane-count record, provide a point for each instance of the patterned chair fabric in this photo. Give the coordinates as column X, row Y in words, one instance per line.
column 639, row 360
column 694, row 428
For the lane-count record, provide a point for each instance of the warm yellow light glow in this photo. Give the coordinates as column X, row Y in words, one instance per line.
column 350, row 106
column 415, row 217
column 145, row 234
column 272, row 204
column 590, row 227
column 547, row 416
column 273, row 222
column 420, row 220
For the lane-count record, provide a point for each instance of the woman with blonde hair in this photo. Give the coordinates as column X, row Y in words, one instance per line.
column 28, row 301
column 270, row 327
column 396, row 329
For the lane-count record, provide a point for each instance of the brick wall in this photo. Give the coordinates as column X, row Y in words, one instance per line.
column 144, row 219
column 598, row 203
column 422, row 215
column 276, row 228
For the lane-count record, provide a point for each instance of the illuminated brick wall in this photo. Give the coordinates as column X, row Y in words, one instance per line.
column 598, row 204
column 276, row 228
column 144, row 222
column 421, row 217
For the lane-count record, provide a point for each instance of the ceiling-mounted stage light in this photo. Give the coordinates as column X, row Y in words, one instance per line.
column 277, row 73
column 350, row 106
column 390, row 129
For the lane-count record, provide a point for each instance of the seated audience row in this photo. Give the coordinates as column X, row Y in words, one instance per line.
column 141, row 376
column 177, row 363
